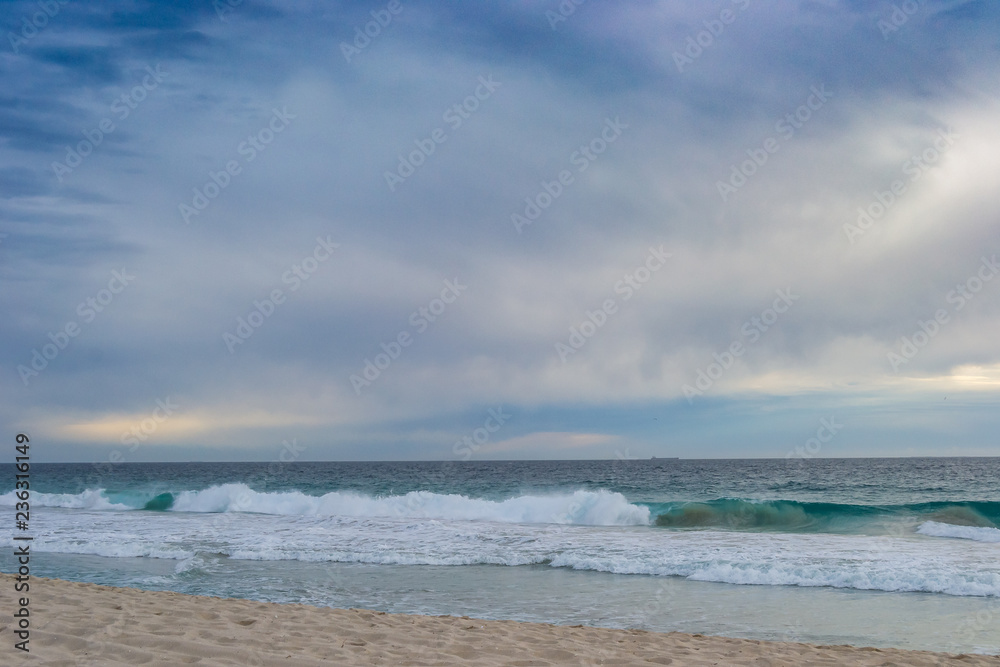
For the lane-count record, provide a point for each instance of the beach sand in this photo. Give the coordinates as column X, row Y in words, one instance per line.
column 86, row 624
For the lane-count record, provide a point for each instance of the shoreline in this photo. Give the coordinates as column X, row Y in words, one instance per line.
column 80, row 623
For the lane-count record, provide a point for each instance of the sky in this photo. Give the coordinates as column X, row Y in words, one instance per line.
column 499, row 230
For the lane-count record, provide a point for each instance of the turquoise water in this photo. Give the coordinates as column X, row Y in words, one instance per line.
column 809, row 550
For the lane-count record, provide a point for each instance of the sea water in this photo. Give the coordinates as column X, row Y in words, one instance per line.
column 876, row 552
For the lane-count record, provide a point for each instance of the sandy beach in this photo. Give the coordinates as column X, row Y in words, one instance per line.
column 86, row 624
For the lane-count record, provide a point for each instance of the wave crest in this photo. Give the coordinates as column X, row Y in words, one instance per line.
column 977, row 533
column 736, row 514
column 91, row 499
column 961, row 515
column 793, row 516
column 591, row 508
column 588, row 508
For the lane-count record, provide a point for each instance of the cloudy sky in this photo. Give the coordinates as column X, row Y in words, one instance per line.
column 526, row 229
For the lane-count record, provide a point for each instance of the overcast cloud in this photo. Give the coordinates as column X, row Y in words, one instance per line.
column 635, row 229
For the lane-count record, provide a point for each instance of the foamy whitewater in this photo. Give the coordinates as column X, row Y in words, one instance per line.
column 888, row 528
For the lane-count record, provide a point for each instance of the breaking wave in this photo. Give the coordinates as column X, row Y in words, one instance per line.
column 589, row 508
column 977, row 533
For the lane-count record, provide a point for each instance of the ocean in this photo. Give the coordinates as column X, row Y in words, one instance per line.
column 898, row 552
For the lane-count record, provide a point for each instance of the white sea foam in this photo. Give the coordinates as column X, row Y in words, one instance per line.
column 913, row 563
column 587, row 508
column 585, row 530
column 113, row 546
column 979, row 534
column 590, row 508
column 89, row 499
